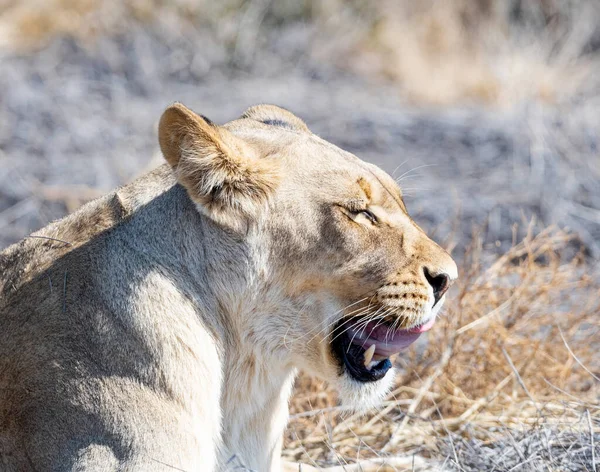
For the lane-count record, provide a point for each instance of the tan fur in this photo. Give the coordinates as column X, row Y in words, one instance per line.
column 162, row 325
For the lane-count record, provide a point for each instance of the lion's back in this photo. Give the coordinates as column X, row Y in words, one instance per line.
column 23, row 261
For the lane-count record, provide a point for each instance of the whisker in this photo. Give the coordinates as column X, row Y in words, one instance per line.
column 365, row 324
column 383, row 317
column 395, row 325
column 356, row 320
column 407, row 173
column 333, row 321
column 393, row 174
column 358, row 313
column 370, row 319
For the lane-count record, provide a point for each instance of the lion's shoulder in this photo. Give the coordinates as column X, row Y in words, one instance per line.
column 29, row 257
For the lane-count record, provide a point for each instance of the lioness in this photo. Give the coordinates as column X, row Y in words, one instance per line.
column 161, row 326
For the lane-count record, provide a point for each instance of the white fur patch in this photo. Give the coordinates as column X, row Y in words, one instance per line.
column 361, row 396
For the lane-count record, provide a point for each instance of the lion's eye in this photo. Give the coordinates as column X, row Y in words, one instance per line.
column 358, row 215
column 369, row 215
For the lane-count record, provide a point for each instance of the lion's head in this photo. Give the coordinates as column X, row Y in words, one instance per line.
column 343, row 278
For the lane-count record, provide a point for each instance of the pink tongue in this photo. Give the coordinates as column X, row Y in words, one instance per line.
column 387, row 342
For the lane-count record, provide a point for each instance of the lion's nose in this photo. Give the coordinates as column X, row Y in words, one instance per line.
column 439, row 283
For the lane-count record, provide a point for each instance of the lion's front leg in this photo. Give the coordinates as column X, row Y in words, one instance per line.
column 155, row 434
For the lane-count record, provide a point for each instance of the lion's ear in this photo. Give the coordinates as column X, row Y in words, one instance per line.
column 275, row 116
column 220, row 171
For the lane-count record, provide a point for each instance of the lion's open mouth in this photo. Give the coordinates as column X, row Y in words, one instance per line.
column 364, row 349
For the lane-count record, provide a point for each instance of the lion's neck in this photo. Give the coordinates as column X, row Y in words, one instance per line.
column 226, row 283
column 255, row 410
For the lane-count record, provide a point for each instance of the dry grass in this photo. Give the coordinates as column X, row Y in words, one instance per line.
column 514, row 360
column 495, row 52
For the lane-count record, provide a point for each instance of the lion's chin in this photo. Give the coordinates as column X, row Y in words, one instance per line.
column 362, row 396
column 364, row 368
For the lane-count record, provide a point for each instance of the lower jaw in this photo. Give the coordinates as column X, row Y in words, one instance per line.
column 350, row 358
column 350, row 350
column 363, row 374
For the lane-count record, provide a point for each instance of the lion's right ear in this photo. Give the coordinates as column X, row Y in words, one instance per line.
column 221, row 172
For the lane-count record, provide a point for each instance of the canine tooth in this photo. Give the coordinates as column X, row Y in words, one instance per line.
column 369, row 355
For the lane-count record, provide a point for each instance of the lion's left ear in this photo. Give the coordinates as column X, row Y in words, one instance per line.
column 221, row 172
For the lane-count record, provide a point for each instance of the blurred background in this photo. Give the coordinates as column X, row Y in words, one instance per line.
column 486, row 111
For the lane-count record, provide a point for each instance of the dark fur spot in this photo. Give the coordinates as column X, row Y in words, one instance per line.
column 278, row 123
column 208, row 120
